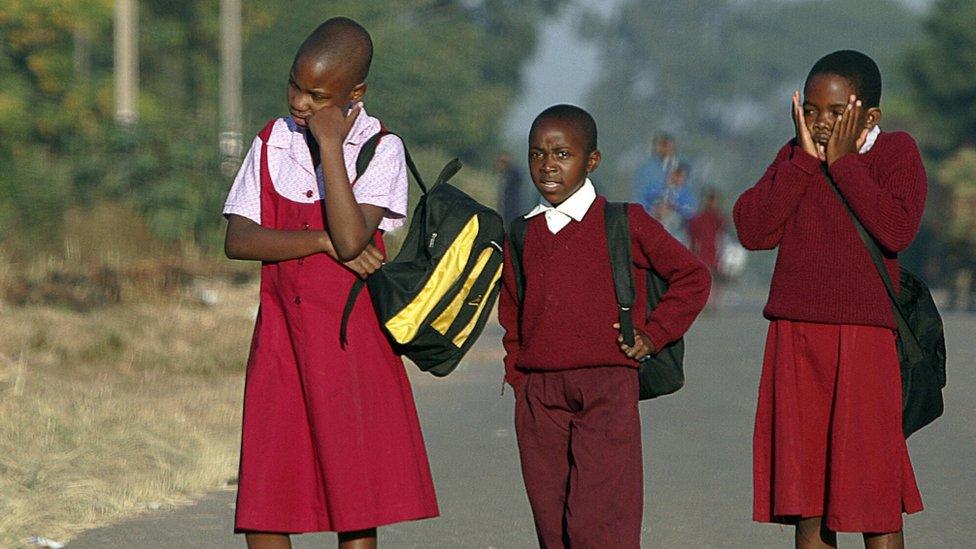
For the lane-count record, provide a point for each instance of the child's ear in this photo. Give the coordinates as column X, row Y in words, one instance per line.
column 593, row 161
column 358, row 92
column 872, row 118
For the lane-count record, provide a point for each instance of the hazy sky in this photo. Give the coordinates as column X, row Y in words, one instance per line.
column 562, row 71
column 565, row 68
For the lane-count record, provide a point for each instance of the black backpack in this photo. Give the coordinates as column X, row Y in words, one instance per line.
column 434, row 298
column 660, row 374
column 921, row 338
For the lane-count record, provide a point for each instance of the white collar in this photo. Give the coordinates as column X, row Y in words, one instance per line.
column 870, row 139
column 575, row 206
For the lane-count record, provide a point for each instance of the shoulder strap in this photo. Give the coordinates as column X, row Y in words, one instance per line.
column 621, row 264
column 905, row 334
column 265, row 132
column 357, row 287
column 368, row 151
column 516, row 243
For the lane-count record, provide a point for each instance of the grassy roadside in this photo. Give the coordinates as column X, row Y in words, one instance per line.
column 106, row 414
column 119, row 389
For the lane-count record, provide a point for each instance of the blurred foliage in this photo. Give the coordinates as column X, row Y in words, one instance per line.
column 942, row 70
column 718, row 74
column 443, row 73
column 959, row 172
column 49, row 106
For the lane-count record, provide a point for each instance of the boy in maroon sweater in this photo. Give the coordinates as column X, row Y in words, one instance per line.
column 575, row 381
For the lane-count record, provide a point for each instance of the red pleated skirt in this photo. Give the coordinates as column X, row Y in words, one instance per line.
column 828, row 439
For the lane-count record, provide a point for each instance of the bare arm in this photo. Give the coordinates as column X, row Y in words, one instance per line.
column 248, row 240
column 350, row 224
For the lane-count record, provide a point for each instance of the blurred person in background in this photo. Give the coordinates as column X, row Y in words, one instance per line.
column 706, row 237
column 652, row 176
column 674, row 203
column 510, row 188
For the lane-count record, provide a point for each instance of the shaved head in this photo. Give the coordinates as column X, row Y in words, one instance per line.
column 578, row 117
column 339, row 42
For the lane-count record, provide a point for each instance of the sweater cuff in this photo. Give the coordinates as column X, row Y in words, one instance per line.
column 658, row 336
column 802, row 159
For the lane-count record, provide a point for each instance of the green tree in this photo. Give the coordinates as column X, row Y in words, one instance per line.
column 50, row 103
column 443, row 74
column 941, row 70
column 445, row 70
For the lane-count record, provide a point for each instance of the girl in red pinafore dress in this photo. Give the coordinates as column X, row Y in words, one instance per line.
column 828, row 451
column 331, row 439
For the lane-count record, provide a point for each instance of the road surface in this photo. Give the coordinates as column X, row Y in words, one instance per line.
column 697, row 459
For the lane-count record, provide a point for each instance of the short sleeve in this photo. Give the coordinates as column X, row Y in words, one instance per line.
column 244, row 198
column 385, row 184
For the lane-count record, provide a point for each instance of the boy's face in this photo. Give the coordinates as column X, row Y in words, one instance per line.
column 315, row 84
column 824, row 99
column 558, row 161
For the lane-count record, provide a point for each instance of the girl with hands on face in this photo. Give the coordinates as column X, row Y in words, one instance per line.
column 828, row 450
column 830, row 123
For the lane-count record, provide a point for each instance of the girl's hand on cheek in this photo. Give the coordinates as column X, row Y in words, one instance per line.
column 332, row 124
column 846, row 133
column 803, row 137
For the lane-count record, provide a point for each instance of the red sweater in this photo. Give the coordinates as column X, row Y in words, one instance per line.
column 704, row 230
column 566, row 319
column 823, row 271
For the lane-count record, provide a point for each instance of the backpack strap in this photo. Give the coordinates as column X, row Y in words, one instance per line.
column 908, row 339
column 368, row 151
column 357, row 287
column 516, row 243
column 618, row 244
column 621, row 265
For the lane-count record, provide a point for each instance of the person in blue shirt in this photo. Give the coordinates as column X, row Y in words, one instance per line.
column 653, row 173
column 662, row 186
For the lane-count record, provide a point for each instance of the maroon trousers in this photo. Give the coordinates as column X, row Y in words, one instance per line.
column 579, row 440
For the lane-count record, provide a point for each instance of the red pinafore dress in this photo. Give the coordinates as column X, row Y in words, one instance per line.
column 331, row 440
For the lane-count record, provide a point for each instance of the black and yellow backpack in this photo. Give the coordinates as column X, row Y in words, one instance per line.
column 434, row 298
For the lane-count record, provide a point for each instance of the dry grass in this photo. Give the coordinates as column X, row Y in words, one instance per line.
column 106, row 414
column 135, row 403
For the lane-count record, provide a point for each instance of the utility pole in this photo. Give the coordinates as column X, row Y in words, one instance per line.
column 231, row 97
column 126, row 62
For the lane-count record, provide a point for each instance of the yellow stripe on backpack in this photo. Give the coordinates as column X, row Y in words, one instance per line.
column 404, row 325
column 443, row 322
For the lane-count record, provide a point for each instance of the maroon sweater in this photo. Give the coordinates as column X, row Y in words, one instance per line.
column 566, row 319
column 823, row 271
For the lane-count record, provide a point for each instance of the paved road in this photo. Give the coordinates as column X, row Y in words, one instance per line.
column 696, row 456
